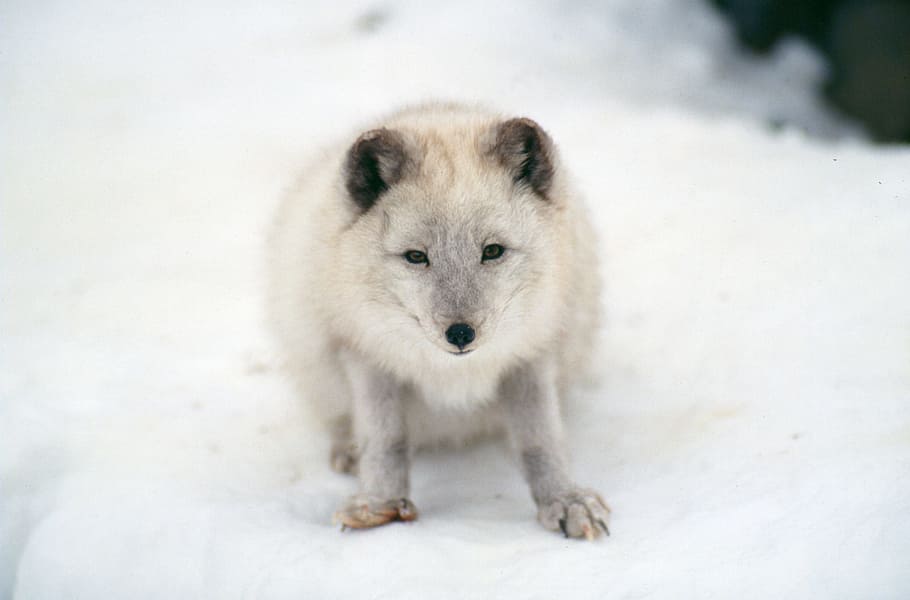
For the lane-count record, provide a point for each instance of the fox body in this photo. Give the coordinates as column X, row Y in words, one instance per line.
column 432, row 280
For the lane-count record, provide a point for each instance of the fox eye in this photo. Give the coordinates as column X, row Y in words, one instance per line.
column 416, row 257
column 492, row 252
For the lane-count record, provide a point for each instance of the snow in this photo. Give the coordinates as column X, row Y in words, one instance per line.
column 751, row 427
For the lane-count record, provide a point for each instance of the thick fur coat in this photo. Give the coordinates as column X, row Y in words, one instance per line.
column 434, row 279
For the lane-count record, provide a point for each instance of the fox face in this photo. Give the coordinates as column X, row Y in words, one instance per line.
column 461, row 241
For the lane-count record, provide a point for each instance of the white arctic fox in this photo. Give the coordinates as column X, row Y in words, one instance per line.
column 432, row 280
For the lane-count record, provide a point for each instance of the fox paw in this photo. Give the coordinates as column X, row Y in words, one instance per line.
column 362, row 512
column 577, row 513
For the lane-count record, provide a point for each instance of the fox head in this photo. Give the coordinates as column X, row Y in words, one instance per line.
column 456, row 242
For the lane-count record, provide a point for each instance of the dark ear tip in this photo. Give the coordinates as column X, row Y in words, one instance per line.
column 522, row 124
column 522, row 130
column 372, row 135
column 374, row 142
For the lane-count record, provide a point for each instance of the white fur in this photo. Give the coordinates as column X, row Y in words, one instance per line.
column 339, row 289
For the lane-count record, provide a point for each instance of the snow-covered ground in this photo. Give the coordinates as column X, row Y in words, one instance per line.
column 751, row 429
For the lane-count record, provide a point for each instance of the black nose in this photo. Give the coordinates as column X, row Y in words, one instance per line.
column 460, row 334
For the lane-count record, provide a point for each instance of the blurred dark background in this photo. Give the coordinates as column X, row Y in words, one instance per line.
column 865, row 42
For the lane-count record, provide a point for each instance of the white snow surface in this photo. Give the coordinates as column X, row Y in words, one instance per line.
column 751, row 424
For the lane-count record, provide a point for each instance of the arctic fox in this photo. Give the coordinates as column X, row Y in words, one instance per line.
column 433, row 280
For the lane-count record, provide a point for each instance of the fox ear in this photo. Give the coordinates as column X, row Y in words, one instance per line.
column 526, row 152
column 375, row 162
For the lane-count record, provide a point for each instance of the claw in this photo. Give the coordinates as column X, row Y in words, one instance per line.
column 562, row 525
column 404, row 510
column 604, row 527
column 589, row 532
